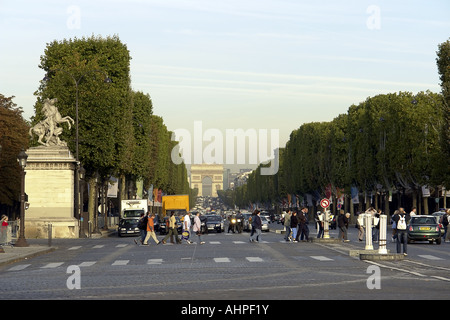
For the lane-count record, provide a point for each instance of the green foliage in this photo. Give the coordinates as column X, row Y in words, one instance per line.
column 13, row 138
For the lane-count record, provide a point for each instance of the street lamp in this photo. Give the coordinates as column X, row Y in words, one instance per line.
column 21, row 242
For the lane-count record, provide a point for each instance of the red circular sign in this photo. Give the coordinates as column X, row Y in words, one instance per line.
column 324, row 203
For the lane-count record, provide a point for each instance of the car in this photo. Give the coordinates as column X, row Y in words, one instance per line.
column 424, row 228
column 164, row 223
column 214, row 222
column 128, row 227
column 265, row 224
column 438, row 216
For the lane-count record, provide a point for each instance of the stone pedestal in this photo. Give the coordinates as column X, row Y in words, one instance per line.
column 49, row 183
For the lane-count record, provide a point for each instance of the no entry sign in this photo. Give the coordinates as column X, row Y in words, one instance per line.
column 325, row 203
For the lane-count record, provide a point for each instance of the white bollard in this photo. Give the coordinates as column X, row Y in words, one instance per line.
column 326, row 233
column 383, row 233
column 368, row 221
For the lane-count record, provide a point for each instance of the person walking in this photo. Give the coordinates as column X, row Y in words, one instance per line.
column 294, row 225
column 342, row 226
column 445, row 223
column 172, row 229
column 394, row 225
column 257, row 226
column 150, row 230
column 197, row 228
column 187, row 227
column 287, row 225
column 142, row 226
column 402, row 220
column 320, row 217
column 303, row 230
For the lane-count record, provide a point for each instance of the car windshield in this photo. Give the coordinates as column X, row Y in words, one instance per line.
column 423, row 220
column 213, row 218
column 129, row 222
column 132, row 213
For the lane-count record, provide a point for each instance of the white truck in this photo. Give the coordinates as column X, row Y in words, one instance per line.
column 130, row 212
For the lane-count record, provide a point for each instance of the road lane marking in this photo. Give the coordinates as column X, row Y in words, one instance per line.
column 120, row 262
column 52, row 265
column 254, row 259
column 19, row 267
column 220, row 260
column 321, row 258
column 154, row 261
column 429, row 257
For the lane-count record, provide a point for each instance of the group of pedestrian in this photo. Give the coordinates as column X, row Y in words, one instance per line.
column 296, row 225
column 147, row 229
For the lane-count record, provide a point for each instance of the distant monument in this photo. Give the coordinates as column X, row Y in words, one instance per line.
column 50, row 182
column 207, row 178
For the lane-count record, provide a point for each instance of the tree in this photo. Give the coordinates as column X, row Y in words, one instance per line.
column 443, row 63
column 13, row 138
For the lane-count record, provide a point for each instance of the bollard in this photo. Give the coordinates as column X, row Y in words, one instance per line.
column 50, row 234
column 326, row 234
column 368, row 221
column 383, row 232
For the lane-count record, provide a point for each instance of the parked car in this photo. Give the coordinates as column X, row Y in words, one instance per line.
column 128, row 227
column 164, row 223
column 424, row 228
column 214, row 222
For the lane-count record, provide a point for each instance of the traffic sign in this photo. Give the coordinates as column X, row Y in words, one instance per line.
column 325, row 203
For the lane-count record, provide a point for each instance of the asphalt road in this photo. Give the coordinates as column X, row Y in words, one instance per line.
column 226, row 267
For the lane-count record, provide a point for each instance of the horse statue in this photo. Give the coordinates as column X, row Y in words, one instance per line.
column 48, row 128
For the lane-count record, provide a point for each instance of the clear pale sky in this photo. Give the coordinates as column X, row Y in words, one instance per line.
column 262, row 64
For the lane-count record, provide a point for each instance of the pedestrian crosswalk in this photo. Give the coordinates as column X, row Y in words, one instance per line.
column 159, row 261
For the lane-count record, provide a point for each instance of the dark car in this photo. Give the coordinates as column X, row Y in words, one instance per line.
column 424, row 228
column 128, row 227
column 214, row 223
column 164, row 223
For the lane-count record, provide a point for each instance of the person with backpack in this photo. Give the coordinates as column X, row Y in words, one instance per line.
column 401, row 220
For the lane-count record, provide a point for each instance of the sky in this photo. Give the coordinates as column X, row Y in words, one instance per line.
column 253, row 65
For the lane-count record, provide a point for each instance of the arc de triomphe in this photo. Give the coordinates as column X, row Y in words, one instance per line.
column 207, row 178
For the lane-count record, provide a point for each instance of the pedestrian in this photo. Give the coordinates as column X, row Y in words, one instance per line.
column 256, row 226
column 445, row 222
column 376, row 226
column 394, row 225
column 172, row 229
column 150, row 230
column 342, row 225
column 187, row 227
column 402, row 220
column 197, row 228
column 4, row 229
column 303, row 230
column 294, row 225
column 287, row 225
column 251, row 220
column 360, row 226
column 320, row 224
column 142, row 226
column 413, row 212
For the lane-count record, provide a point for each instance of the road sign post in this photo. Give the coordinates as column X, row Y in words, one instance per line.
column 325, row 203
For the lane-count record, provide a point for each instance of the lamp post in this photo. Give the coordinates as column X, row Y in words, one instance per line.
column 21, row 242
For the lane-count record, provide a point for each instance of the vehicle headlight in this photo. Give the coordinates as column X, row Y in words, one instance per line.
column 233, row 220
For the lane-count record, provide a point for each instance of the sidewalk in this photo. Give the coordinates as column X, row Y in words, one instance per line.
column 14, row 254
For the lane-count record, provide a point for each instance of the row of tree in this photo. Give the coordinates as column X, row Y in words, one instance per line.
column 118, row 133
column 390, row 143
